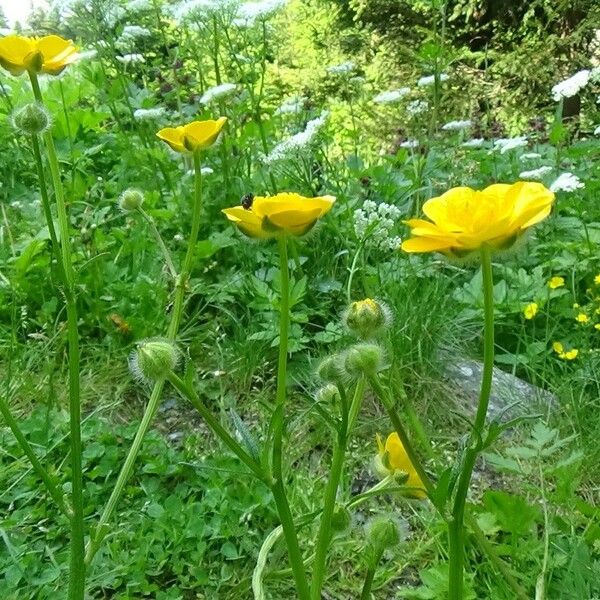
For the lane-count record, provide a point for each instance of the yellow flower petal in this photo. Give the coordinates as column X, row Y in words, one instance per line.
column 422, row 244
column 173, row 136
column 13, row 51
column 247, row 221
column 56, row 53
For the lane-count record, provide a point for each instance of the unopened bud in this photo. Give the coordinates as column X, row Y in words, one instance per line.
column 363, row 359
column 32, row 119
column 327, row 395
column 340, row 519
column 331, row 369
column 383, row 533
column 366, row 318
column 131, row 199
column 154, row 359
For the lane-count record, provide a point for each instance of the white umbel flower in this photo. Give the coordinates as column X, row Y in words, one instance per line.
column 530, row 156
column 250, row 12
column 430, row 79
column 473, row 143
column 571, row 86
column 566, row 182
column 342, row 69
column 291, row 106
column 374, row 223
column 127, row 59
column 507, row 144
column 535, row 173
column 299, row 143
column 217, row 92
column 410, row 144
column 391, row 96
column 416, row 107
column 149, row 114
column 457, row 125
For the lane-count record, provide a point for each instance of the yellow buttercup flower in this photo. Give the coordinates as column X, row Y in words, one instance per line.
column 285, row 213
column 530, row 310
column 560, row 350
column 48, row 54
column 392, row 458
column 556, row 282
column 582, row 318
column 196, row 135
column 557, row 347
column 597, row 279
column 597, row 326
column 463, row 219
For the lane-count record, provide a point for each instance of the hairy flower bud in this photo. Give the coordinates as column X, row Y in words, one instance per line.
column 330, row 369
column 327, row 395
column 366, row 318
column 383, row 533
column 154, row 359
column 131, row 199
column 363, row 359
column 340, row 519
column 32, row 119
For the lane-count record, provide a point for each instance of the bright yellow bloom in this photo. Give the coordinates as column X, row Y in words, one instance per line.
column 597, row 279
column 569, row 355
column 582, row 318
column 270, row 216
column 392, row 458
column 597, row 326
column 48, row 54
column 530, row 310
column 464, row 219
column 556, row 282
column 196, row 135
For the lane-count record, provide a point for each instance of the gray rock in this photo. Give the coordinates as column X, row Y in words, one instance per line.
column 511, row 397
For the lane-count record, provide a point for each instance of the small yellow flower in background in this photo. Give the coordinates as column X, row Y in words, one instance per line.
column 463, row 219
column 569, row 355
column 49, row 54
column 556, row 282
column 285, row 213
column 597, row 279
column 597, row 326
column 392, row 458
column 196, row 135
column 582, row 318
column 530, row 311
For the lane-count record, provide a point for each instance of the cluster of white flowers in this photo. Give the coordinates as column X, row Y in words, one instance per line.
column 457, row 125
column 535, row 173
column 191, row 10
column 507, row 144
column 297, row 143
column 250, row 12
column 375, row 223
column 571, row 86
column 474, row 143
column 131, row 58
column 149, row 114
column 416, row 107
column 130, row 34
column 391, row 96
column 217, row 92
column 530, row 156
column 410, row 144
column 430, row 79
column 342, row 69
column 566, row 182
column 139, row 5
column 291, row 106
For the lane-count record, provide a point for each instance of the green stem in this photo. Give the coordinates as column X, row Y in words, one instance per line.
column 278, row 490
column 383, row 394
column 166, row 254
column 190, row 394
column 77, row 562
column 48, row 481
column 368, row 584
column 154, row 401
column 456, row 533
column 324, row 534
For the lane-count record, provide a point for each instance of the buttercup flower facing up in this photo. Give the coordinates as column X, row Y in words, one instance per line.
column 285, row 213
column 556, row 282
column 530, row 311
column 392, row 458
column 196, row 135
column 49, row 54
column 463, row 219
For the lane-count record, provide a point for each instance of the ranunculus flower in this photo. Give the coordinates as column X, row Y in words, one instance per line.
column 285, row 213
column 463, row 219
column 48, row 54
column 392, row 458
column 196, row 135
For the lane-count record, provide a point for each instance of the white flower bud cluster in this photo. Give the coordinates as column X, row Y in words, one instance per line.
column 375, row 223
column 567, row 182
column 217, row 92
column 299, row 143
